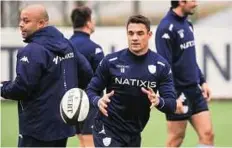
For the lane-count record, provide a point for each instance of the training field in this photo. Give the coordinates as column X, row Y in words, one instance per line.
column 153, row 136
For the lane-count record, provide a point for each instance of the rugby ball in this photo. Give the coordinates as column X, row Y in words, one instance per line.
column 74, row 106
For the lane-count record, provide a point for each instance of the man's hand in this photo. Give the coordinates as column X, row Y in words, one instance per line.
column 102, row 103
column 180, row 108
column 151, row 96
column 206, row 92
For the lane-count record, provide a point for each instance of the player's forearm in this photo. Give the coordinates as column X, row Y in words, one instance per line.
column 166, row 105
column 94, row 96
column 168, row 97
column 201, row 76
column 85, row 79
column 95, row 88
column 13, row 91
column 202, row 79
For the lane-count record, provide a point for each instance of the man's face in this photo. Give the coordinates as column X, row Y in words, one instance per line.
column 188, row 6
column 138, row 37
column 28, row 23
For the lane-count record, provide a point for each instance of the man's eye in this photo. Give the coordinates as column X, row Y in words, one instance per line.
column 141, row 33
column 130, row 33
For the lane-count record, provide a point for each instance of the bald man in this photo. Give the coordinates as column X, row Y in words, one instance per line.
column 46, row 68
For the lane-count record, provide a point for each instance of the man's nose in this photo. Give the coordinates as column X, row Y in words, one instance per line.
column 135, row 37
column 21, row 24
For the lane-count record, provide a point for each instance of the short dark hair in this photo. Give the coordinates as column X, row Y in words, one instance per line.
column 80, row 16
column 174, row 3
column 139, row 19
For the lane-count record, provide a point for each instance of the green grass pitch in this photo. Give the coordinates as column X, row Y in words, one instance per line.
column 154, row 134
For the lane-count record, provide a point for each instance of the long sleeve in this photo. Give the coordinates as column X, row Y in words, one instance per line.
column 164, row 43
column 96, row 58
column 29, row 67
column 98, row 82
column 201, row 76
column 167, row 92
column 85, row 71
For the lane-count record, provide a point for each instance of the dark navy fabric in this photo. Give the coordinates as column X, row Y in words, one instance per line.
column 193, row 99
column 92, row 51
column 126, row 73
column 94, row 54
column 174, row 41
column 27, row 141
column 105, row 136
column 86, row 127
column 46, row 68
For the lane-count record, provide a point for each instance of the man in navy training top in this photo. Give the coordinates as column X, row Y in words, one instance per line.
column 84, row 26
column 131, row 77
column 175, row 42
column 46, row 68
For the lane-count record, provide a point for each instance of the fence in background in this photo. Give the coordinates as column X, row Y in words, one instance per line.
column 214, row 52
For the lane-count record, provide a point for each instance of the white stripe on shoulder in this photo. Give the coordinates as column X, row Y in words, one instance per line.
column 160, row 63
column 113, row 59
column 170, row 27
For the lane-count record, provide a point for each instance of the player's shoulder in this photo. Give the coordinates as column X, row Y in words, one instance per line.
column 94, row 44
column 189, row 21
column 115, row 55
column 90, row 47
column 96, row 48
column 32, row 48
column 166, row 24
column 159, row 59
column 32, row 52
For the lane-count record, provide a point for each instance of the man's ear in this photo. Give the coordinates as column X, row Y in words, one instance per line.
column 150, row 34
column 42, row 23
column 182, row 2
column 88, row 24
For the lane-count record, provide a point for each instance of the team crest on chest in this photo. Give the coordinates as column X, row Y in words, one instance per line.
column 152, row 69
column 181, row 33
column 122, row 68
column 106, row 141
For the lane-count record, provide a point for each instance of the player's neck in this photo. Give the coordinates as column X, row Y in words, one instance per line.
column 179, row 12
column 83, row 29
column 139, row 53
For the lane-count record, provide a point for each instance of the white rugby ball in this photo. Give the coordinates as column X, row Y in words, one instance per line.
column 74, row 106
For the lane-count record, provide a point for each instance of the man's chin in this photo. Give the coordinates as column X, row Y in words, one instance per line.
column 24, row 35
column 136, row 49
column 192, row 12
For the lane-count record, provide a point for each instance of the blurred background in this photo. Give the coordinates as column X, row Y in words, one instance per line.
column 213, row 28
column 113, row 13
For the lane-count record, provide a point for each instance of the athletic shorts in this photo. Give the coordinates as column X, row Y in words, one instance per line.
column 193, row 99
column 86, row 127
column 28, row 141
column 105, row 136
